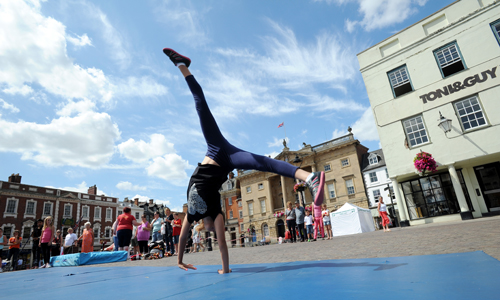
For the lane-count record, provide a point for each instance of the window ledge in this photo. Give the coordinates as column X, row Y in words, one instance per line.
column 29, row 216
column 419, row 145
column 10, row 215
column 475, row 129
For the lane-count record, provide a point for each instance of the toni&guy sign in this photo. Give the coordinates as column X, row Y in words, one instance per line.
column 459, row 85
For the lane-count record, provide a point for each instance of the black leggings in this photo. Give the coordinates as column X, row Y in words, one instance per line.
column 46, row 252
column 143, row 246
column 13, row 256
column 225, row 154
column 291, row 227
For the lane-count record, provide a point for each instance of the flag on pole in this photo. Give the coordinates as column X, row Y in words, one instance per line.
column 283, row 123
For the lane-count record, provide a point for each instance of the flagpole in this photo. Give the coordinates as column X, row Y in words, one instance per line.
column 285, row 130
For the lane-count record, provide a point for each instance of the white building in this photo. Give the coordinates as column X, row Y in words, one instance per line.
column 444, row 64
column 377, row 181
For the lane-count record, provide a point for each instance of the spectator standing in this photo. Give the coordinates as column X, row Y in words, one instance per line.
column 169, row 230
column 69, row 241
column 290, row 221
column 48, row 232
column 14, row 245
column 3, row 242
column 382, row 211
column 142, row 234
column 87, row 239
column 299, row 219
column 56, row 244
column 308, row 220
column 36, row 250
column 156, row 227
column 123, row 228
column 133, row 242
column 115, row 238
column 327, row 222
column 176, row 231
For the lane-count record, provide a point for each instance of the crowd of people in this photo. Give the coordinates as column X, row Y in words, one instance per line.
column 300, row 223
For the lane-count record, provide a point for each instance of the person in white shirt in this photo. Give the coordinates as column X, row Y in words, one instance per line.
column 69, row 241
column 327, row 222
column 308, row 221
column 382, row 211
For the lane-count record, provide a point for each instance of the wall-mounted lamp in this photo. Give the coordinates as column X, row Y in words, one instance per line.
column 444, row 124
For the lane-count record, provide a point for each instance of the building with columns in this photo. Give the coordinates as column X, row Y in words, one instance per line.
column 263, row 194
column 21, row 205
column 434, row 87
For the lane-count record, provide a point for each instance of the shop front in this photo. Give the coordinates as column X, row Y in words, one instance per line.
column 488, row 177
column 433, row 196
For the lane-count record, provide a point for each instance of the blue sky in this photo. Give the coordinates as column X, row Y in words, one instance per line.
column 88, row 97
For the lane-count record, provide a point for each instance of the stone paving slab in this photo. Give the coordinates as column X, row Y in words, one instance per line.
column 439, row 238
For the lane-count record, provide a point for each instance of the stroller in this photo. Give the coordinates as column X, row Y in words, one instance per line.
column 156, row 250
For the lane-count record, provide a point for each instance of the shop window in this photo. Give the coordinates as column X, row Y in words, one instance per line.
column 327, row 168
column 415, row 131
column 400, row 81
column 373, row 177
column 433, row 196
column 449, row 59
column 495, row 26
column 331, row 190
column 470, row 113
column 350, row 187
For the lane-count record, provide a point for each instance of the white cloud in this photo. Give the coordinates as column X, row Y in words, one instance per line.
column 141, row 151
column 185, row 19
column 139, row 86
column 364, row 129
column 170, row 167
column 22, row 90
column 7, row 106
column 86, row 140
column 278, row 142
column 273, row 154
column 338, row 133
column 43, row 59
column 79, row 41
column 379, row 14
column 128, row 186
column 72, row 107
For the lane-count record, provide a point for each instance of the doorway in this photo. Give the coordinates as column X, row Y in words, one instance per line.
column 488, row 177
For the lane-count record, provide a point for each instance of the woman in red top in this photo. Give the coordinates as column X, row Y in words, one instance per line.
column 124, row 226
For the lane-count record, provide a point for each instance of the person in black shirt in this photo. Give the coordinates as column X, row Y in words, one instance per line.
column 36, row 233
column 169, row 217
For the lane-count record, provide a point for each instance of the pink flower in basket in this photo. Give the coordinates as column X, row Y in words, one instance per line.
column 299, row 186
column 279, row 214
column 424, row 162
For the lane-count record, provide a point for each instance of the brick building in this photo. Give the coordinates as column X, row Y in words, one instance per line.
column 21, row 205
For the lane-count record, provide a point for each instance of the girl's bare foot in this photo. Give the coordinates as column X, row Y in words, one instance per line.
column 222, row 271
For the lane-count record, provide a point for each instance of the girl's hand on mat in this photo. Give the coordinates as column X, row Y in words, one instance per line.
column 185, row 267
column 222, row 271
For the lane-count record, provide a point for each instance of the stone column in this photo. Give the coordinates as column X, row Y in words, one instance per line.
column 56, row 214
column 313, row 167
column 464, row 208
column 403, row 215
column 283, row 190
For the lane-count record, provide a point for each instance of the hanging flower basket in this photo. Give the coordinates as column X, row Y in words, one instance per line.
column 299, row 187
column 279, row 214
column 309, row 208
column 423, row 163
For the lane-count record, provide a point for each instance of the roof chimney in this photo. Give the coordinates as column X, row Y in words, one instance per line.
column 15, row 178
column 136, row 201
column 231, row 175
column 92, row 190
column 151, row 201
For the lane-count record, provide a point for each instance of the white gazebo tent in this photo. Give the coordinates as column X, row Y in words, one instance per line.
column 351, row 219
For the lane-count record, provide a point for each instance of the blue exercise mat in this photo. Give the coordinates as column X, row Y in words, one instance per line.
column 472, row 275
column 92, row 258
